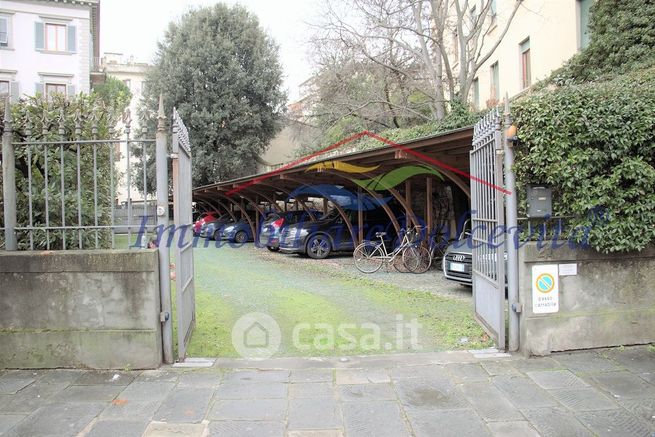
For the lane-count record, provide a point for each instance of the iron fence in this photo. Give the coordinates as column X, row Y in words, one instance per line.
column 64, row 192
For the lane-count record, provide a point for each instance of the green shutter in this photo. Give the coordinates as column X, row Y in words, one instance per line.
column 14, row 91
column 39, row 36
column 495, row 81
column 4, row 32
column 70, row 90
column 585, row 12
column 476, row 94
column 38, row 88
column 71, row 40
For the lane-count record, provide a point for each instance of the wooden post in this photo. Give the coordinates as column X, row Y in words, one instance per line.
column 325, row 205
column 428, row 203
column 360, row 216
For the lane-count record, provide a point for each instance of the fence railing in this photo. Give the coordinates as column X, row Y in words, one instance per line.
column 63, row 192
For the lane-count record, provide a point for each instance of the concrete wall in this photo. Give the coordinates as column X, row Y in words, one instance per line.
column 610, row 302
column 85, row 309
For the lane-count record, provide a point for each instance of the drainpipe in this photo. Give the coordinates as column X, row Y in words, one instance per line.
column 511, row 223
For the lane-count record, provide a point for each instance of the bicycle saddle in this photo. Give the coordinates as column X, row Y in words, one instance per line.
column 380, row 234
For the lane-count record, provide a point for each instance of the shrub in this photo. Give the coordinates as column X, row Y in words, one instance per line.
column 44, row 122
column 594, row 143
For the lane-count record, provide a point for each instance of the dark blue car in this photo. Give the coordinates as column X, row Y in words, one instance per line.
column 237, row 232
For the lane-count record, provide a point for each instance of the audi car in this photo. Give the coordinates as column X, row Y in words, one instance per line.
column 457, row 263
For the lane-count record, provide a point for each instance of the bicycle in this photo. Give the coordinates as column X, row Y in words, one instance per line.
column 369, row 256
column 435, row 253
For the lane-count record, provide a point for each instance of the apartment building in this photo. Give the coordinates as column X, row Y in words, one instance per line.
column 133, row 74
column 48, row 46
column 541, row 37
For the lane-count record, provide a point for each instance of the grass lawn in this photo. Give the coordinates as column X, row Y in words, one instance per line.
column 341, row 311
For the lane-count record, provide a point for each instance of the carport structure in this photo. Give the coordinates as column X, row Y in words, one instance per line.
column 419, row 195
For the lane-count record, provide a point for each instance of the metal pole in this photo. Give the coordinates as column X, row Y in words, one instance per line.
column 161, row 162
column 511, row 223
column 9, row 182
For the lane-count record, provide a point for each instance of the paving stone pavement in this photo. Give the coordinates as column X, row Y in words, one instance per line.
column 609, row 392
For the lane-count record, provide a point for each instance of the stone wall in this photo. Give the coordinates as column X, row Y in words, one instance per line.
column 610, row 302
column 83, row 309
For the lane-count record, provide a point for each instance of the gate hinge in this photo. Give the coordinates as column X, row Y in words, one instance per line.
column 517, row 307
column 164, row 316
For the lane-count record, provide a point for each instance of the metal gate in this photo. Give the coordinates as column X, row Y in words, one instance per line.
column 487, row 226
column 183, row 219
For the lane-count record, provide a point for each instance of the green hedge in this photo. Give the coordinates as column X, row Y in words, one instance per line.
column 594, row 144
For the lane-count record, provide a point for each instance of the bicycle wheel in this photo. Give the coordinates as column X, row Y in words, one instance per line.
column 399, row 264
column 368, row 257
column 417, row 259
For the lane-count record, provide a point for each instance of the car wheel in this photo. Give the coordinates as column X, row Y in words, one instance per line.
column 319, row 247
column 217, row 235
column 273, row 249
column 240, row 237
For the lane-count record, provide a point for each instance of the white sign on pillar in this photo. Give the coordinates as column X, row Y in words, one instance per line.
column 545, row 289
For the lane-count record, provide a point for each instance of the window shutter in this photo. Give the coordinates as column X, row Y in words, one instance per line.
column 71, row 40
column 70, row 90
column 39, row 36
column 38, row 88
column 14, row 92
column 4, row 32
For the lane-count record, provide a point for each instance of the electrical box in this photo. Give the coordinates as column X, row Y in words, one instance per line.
column 540, row 201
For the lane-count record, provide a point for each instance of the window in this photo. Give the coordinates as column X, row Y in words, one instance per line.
column 4, row 31
column 54, row 88
column 584, row 7
column 525, row 63
column 4, row 88
column 493, row 8
column 495, row 81
column 476, row 94
column 55, row 37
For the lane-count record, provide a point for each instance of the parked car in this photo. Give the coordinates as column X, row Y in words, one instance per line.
column 271, row 229
column 330, row 234
column 209, row 228
column 238, row 232
column 457, row 263
column 205, row 217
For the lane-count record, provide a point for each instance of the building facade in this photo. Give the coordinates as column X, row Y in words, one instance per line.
column 542, row 36
column 133, row 75
column 48, row 46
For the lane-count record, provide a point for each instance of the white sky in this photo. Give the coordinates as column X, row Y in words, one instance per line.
column 133, row 27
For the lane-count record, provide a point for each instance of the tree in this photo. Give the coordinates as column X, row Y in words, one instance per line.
column 437, row 46
column 221, row 71
column 114, row 93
